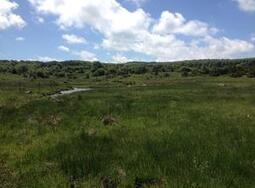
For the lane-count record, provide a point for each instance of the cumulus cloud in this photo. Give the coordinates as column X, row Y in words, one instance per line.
column 118, row 58
column 86, row 55
column 73, row 39
column 124, row 30
column 82, row 55
column 63, row 48
column 45, row 59
column 7, row 17
column 246, row 5
column 106, row 17
column 177, row 24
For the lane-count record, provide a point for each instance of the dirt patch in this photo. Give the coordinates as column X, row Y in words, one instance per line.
column 109, row 120
column 108, row 182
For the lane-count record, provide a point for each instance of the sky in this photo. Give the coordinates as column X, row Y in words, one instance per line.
column 119, row 31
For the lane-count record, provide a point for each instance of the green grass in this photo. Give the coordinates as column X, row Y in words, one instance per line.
column 191, row 132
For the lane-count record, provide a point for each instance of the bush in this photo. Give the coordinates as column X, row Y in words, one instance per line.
column 22, row 69
column 99, row 72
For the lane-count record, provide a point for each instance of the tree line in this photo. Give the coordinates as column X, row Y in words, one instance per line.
column 73, row 69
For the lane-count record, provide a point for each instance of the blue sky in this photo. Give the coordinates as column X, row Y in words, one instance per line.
column 125, row 30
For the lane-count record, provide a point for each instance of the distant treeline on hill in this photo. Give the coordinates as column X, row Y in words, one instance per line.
column 73, row 69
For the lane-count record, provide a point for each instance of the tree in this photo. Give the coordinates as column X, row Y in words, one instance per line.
column 96, row 66
column 22, row 69
column 99, row 72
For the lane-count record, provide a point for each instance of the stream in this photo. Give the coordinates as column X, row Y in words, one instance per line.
column 71, row 91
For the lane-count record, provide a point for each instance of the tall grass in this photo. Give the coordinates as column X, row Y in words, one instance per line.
column 187, row 132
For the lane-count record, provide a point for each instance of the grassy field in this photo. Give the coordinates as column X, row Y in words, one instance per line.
column 172, row 132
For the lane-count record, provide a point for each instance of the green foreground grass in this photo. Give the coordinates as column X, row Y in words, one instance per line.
column 181, row 132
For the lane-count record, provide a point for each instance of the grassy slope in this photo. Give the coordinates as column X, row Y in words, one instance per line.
column 192, row 132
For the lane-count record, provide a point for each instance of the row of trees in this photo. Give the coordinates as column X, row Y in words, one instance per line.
column 31, row 69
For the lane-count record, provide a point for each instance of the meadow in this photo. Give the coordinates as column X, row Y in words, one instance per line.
column 174, row 132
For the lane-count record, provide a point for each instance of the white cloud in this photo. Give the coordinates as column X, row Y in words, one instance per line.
column 118, row 58
column 246, row 5
column 225, row 47
column 7, row 17
column 136, row 31
column 20, row 39
column 169, row 48
column 253, row 37
column 63, row 48
column 40, row 20
column 82, row 55
column 97, row 46
column 175, row 23
column 73, row 39
column 45, row 59
column 86, row 55
column 106, row 17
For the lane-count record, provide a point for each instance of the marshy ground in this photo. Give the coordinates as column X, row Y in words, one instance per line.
column 171, row 132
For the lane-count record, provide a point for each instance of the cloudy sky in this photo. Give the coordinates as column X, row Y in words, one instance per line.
column 125, row 30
